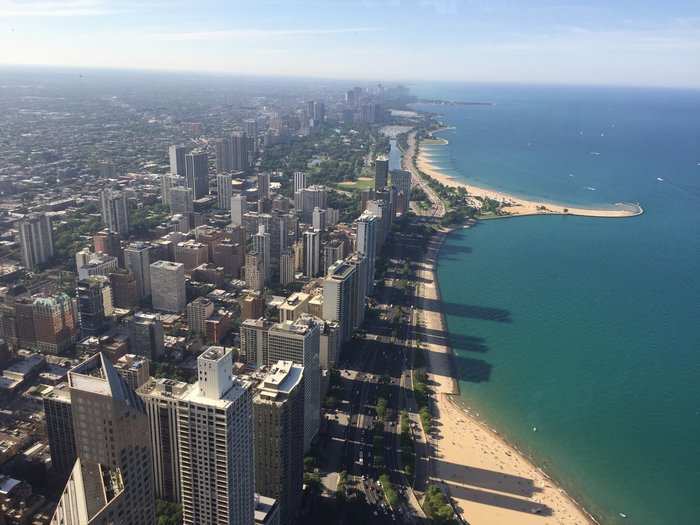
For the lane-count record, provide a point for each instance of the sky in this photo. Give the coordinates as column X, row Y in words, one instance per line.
column 611, row 42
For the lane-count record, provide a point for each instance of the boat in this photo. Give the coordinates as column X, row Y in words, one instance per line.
column 659, row 179
column 596, row 153
column 623, row 515
column 590, row 188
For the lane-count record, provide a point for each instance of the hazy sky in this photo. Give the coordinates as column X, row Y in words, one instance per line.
column 641, row 42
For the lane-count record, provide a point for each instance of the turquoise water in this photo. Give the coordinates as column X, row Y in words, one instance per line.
column 585, row 329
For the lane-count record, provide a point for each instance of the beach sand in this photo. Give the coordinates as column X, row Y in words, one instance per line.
column 489, row 480
column 513, row 205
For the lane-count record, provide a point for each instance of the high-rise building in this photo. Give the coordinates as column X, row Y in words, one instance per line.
column 161, row 397
column 191, row 254
column 224, row 191
column 91, row 295
column 312, row 253
column 299, row 181
column 112, row 479
column 91, row 264
column 167, row 183
column 224, row 155
column 197, row 174
column 333, row 251
column 381, row 173
column 278, row 415
column 263, row 185
column 286, row 268
column 169, row 293
column 177, row 159
column 293, row 306
column 381, row 210
column 133, row 369
column 239, row 207
column 146, row 337
column 240, row 151
column 299, row 341
column 58, row 413
column 261, row 244
column 339, row 297
column 318, row 219
column 115, row 211
column 124, row 289
column 314, row 196
column 138, row 261
column 215, row 429
column 36, row 239
column 108, row 243
column 55, row 323
column 366, row 244
column 254, row 271
column 198, row 311
column 401, row 180
column 254, row 340
column 181, row 201
column 251, row 131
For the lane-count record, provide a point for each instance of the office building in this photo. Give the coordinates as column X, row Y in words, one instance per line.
column 339, row 297
column 239, row 150
column 224, row 191
column 125, row 292
column 197, row 174
column 333, row 251
column 278, row 415
column 191, row 254
column 318, row 219
column 146, row 336
column 181, row 201
column 314, row 196
column 91, row 296
column 299, row 181
column 381, row 173
column 112, row 479
column 55, row 323
column 263, row 185
column 299, row 341
column 224, row 155
column 177, row 159
column 366, row 244
column 138, row 261
column 401, row 180
column 254, row 271
column 161, row 398
column 59, row 429
column 115, row 211
column 312, row 253
column 169, row 294
column 198, row 311
column 36, row 240
column 167, row 183
column 215, row 429
column 239, row 207
column 254, row 340
column 286, row 268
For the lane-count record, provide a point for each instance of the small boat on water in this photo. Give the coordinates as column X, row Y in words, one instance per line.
column 623, row 515
column 596, row 153
column 659, row 179
column 590, row 188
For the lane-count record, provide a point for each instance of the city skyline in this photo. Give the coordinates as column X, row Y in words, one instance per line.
column 541, row 42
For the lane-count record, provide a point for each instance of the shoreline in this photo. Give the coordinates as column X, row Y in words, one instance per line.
column 514, row 206
column 490, row 480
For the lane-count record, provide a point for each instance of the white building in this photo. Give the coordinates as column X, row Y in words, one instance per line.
column 224, row 191
column 168, row 292
column 36, row 239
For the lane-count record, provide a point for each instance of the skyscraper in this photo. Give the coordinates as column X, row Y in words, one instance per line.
column 59, row 429
column 137, row 260
column 278, row 415
column 263, row 185
column 299, row 341
column 240, row 151
column 367, row 244
column 177, row 159
column 381, row 173
column 254, row 340
column 254, row 271
column 224, row 155
column 239, row 207
column 224, row 191
column 261, row 244
column 197, row 174
column 169, row 293
column 181, row 201
column 318, row 219
column 167, row 183
column 215, row 429
column 299, row 181
column 312, row 253
column 198, row 311
column 161, row 397
column 115, row 212
column 401, row 180
column 90, row 295
column 36, row 239
column 112, row 479
column 55, row 323
column 146, row 337
column 339, row 290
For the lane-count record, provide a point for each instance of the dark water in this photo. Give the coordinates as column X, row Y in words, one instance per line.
column 585, row 329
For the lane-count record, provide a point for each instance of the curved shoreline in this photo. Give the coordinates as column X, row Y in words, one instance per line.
column 513, row 205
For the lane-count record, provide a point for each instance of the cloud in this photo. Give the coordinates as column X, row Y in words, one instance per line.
column 233, row 34
column 51, row 8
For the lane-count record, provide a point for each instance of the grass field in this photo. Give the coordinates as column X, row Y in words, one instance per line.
column 360, row 184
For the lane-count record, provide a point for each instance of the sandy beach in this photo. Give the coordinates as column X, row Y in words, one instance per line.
column 514, row 206
column 489, row 480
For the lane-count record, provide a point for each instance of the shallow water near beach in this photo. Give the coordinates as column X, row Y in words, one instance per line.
column 578, row 338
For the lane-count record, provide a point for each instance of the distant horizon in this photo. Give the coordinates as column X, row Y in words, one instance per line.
column 407, row 82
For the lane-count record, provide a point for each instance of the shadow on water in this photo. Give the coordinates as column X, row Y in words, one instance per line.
column 471, row 311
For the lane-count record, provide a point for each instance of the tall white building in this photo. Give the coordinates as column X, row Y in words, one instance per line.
column 168, row 292
column 367, row 244
column 339, row 297
column 254, row 271
column 137, row 259
column 239, row 207
column 167, row 183
column 299, row 341
column 318, row 219
column 224, row 191
column 312, row 253
column 36, row 239
column 215, row 429
column 299, row 181
column 261, row 244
